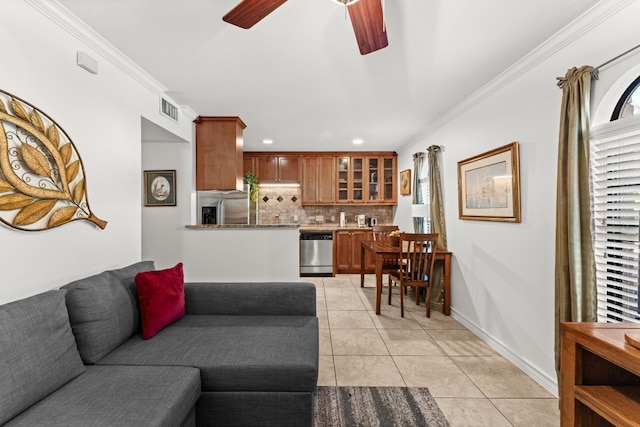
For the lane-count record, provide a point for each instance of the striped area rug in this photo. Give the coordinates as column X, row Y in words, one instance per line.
column 376, row 406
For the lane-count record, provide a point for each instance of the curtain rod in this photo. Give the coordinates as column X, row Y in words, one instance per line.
column 596, row 71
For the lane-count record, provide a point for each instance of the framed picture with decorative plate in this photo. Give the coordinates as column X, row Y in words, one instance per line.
column 160, row 188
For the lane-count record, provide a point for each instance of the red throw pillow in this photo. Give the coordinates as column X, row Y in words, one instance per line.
column 161, row 294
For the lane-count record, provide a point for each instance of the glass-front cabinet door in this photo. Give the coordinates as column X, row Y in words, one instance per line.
column 389, row 172
column 343, row 180
column 367, row 179
column 357, row 180
column 351, row 180
column 381, row 181
column 374, row 179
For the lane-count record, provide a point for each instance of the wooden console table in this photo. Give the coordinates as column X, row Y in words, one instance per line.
column 599, row 376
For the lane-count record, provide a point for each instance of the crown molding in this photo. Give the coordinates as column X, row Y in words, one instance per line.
column 66, row 20
column 580, row 26
column 189, row 112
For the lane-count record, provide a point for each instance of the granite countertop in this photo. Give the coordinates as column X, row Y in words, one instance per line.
column 332, row 227
column 302, row 227
column 240, row 226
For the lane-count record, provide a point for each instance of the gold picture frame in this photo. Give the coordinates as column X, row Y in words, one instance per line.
column 489, row 185
column 405, row 182
column 160, row 188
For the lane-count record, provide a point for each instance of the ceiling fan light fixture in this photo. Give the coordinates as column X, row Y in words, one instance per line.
column 345, row 2
column 367, row 19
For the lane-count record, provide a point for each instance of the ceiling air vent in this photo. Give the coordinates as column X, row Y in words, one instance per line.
column 168, row 109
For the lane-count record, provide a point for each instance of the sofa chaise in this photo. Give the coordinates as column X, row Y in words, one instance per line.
column 240, row 354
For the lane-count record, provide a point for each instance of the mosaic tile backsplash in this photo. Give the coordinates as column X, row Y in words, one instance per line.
column 283, row 205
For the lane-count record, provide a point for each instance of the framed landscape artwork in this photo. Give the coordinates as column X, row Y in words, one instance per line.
column 160, row 188
column 489, row 185
column 405, row 182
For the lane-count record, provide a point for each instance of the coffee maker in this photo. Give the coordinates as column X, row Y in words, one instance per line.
column 361, row 221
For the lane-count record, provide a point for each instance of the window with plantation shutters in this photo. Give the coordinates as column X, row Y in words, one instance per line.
column 426, row 196
column 615, row 174
column 423, row 210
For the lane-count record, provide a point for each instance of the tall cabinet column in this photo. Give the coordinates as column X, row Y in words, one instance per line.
column 219, row 163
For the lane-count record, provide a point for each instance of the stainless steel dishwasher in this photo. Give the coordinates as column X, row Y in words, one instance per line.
column 316, row 253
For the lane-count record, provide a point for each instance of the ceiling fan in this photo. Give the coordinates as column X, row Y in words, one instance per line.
column 366, row 17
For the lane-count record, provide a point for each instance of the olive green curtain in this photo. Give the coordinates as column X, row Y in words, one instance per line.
column 438, row 224
column 418, row 161
column 575, row 275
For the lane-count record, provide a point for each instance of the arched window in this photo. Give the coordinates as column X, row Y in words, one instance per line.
column 615, row 187
column 629, row 103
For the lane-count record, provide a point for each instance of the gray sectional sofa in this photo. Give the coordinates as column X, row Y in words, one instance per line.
column 244, row 354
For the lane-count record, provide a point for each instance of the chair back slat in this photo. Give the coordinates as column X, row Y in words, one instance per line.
column 418, row 251
column 381, row 232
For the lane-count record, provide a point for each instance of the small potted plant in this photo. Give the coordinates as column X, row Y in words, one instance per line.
column 254, row 186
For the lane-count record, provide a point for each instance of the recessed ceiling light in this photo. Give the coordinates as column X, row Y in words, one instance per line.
column 357, row 141
column 267, row 141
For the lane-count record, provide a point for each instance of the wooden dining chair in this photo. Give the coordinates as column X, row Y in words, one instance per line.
column 381, row 234
column 417, row 255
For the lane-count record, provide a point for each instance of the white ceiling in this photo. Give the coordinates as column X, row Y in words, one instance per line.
column 297, row 77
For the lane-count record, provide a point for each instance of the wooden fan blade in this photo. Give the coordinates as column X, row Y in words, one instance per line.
column 368, row 25
column 249, row 12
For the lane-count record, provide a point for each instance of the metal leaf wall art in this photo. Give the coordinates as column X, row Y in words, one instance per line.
column 42, row 180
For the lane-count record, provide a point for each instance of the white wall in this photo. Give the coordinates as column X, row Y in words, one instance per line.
column 163, row 226
column 231, row 255
column 503, row 273
column 101, row 114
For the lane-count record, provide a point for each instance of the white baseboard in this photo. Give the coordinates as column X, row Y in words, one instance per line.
column 551, row 384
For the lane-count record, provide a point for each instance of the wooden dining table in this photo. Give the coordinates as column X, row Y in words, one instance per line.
column 382, row 250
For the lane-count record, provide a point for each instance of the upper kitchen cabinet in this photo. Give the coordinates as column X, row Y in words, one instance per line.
column 318, row 179
column 381, row 179
column 367, row 178
column 279, row 169
column 250, row 164
column 219, row 162
column 351, row 173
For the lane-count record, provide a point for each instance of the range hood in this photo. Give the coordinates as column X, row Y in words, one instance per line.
column 219, row 163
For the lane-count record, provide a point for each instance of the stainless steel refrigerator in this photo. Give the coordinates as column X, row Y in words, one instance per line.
column 223, row 207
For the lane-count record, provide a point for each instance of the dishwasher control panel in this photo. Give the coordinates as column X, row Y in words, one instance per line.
column 316, row 236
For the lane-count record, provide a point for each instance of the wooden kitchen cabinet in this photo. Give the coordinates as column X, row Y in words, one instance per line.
column 351, row 182
column 347, row 250
column 330, row 178
column 381, row 180
column 273, row 167
column 284, row 169
column 250, row 164
column 219, row 159
column 369, row 178
column 318, row 180
column 600, row 375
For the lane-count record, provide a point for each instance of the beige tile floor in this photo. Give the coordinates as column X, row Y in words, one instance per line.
column 472, row 383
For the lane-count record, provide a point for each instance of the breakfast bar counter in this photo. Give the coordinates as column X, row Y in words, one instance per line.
column 237, row 253
column 238, row 226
